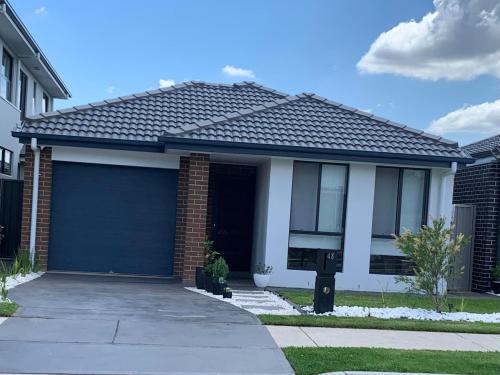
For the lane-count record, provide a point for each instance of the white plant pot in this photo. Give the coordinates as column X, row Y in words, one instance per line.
column 261, row 281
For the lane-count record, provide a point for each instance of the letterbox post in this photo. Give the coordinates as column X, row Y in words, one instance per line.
column 324, row 288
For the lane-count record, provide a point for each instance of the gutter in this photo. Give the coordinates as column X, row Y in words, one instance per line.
column 34, row 197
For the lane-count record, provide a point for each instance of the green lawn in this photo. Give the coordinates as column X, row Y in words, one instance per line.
column 307, row 361
column 470, row 304
column 7, row 308
column 374, row 323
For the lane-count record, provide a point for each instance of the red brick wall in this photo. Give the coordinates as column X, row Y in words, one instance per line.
column 44, row 196
column 196, row 215
column 180, row 223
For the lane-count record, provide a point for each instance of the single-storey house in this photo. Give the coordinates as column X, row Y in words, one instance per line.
column 134, row 185
column 478, row 185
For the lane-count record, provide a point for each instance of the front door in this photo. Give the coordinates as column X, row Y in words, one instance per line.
column 233, row 210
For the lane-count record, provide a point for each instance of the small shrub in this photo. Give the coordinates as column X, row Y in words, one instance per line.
column 495, row 274
column 432, row 251
column 3, row 288
column 220, row 270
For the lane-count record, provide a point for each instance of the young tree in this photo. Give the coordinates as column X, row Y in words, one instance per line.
column 432, row 252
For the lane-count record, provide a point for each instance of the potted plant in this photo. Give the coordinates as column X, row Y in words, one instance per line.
column 261, row 275
column 200, row 272
column 208, row 277
column 220, row 271
column 227, row 293
column 495, row 283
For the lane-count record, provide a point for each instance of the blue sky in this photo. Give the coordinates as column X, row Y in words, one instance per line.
column 111, row 48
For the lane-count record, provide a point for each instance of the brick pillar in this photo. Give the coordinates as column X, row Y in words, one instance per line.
column 44, row 196
column 196, row 215
column 180, row 221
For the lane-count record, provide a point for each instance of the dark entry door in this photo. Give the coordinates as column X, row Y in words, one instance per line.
column 107, row 218
column 233, row 214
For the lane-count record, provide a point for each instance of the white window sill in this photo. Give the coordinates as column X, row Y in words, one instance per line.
column 11, row 104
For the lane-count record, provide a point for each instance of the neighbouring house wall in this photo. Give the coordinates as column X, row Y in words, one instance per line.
column 358, row 227
column 9, row 117
column 479, row 185
column 260, row 213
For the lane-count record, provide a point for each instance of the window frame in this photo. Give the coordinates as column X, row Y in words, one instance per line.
column 23, row 92
column 425, row 208
column 318, row 197
column 3, row 151
column 340, row 265
column 45, row 102
column 9, row 90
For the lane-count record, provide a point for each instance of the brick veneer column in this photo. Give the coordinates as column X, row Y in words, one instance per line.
column 479, row 185
column 180, row 222
column 44, row 196
column 196, row 215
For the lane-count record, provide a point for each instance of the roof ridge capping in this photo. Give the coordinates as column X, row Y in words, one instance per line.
column 237, row 114
column 385, row 121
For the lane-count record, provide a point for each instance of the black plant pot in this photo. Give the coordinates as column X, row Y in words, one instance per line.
column 209, row 284
column 227, row 294
column 495, row 285
column 200, row 278
column 219, row 288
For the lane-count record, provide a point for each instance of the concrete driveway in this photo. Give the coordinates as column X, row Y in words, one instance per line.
column 78, row 324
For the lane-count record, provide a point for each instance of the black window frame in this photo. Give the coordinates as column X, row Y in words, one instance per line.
column 316, row 231
column 3, row 170
column 9, row 89
column 45, row 102
column 425, row 208
column 23, row 92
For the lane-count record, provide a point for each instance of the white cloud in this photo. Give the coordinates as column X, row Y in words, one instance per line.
column 42, row 10
column 234, row 71
column 166, row 82
column 482, row 118
column 110, row 89
column 459, row 40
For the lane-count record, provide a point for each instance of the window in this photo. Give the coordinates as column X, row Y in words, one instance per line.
column 400, row 201
column 33, row 103
column 5, row 161
column 317, row 212
column 400, row 204
column 45, row 103
column 23, row 92
column 6, row 74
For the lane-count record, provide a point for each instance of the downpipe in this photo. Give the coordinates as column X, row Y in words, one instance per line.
column 34, row 198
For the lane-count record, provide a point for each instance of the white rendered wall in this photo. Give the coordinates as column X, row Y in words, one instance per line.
column 260, row 216
column 115, row 157
column 358, row 227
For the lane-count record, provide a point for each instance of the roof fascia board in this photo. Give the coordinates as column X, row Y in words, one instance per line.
column 111, row 144
column 309, row 153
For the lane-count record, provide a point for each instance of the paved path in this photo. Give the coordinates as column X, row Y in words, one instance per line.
column 111, row 325
column 373, row 338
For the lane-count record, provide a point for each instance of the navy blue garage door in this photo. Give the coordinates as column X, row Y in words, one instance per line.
column 112, row 219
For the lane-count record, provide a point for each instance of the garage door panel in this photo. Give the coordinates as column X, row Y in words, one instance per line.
column 112, row 219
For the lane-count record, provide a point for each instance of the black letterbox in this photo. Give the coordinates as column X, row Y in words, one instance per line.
column 325, row 262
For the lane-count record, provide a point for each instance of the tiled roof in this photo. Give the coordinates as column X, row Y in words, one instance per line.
column 483, row 147
column 311, row 121
column 240, row 114
column 145, row 116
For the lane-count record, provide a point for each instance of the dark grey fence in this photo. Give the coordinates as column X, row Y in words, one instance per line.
column 11, row 202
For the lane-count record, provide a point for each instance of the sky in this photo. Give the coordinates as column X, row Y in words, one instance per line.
column 432, row 65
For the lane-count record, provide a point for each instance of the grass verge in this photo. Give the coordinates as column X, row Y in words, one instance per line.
column 308, row 361
column 467, row 304
column 375, row 323
column 7, row 308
